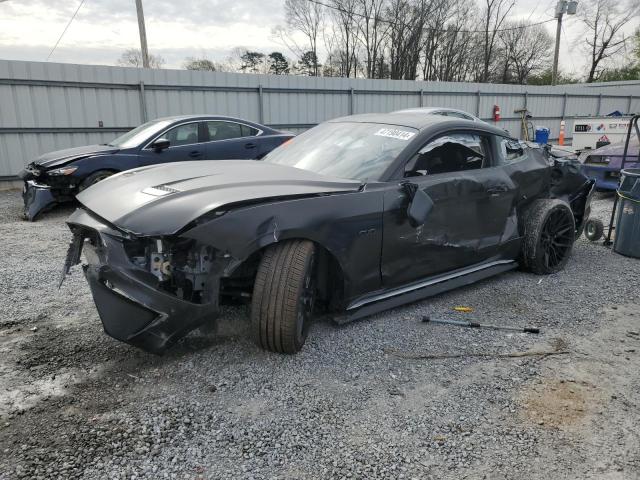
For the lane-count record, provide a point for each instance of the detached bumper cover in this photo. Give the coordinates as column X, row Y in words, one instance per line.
column 37, row 198
column 130, row 305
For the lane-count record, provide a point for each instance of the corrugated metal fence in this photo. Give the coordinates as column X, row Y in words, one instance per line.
column 49, row 106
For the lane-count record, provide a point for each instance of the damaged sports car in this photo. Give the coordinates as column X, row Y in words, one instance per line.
column 354, row 216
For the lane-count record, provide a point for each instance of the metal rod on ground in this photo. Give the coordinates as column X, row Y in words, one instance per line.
column 462, row 323
column 143, row 35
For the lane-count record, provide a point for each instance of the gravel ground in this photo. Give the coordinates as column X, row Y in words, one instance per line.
column 76, row 404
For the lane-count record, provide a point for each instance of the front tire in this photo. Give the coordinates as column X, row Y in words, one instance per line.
column 283, row 296
column 94, row 178
column 549, row 234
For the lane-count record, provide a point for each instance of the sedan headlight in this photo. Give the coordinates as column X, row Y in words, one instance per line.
column 62, row 171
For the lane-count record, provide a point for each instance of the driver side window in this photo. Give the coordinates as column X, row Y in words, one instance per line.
column 186, row 134
column 454, row 152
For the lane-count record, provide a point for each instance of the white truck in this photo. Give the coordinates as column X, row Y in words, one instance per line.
column 593, row 132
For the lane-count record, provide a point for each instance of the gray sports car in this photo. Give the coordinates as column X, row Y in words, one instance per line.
column 356, row 215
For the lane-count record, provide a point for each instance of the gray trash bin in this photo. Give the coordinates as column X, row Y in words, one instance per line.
column 627, row 241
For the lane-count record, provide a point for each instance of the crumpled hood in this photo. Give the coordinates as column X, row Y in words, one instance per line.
column 162, row 199
column 62, row 157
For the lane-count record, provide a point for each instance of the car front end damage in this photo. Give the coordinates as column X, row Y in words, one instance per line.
column 45, row 188
column 149, row 292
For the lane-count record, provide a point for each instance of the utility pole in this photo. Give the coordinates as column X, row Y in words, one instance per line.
column 143, row 35
column 563, row 6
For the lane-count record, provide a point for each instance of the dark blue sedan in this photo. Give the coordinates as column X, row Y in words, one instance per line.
column 57, row 177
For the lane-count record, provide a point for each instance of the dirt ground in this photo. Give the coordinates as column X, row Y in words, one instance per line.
column 75, row 403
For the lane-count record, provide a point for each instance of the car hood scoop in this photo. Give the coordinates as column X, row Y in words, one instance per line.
column 160, row 200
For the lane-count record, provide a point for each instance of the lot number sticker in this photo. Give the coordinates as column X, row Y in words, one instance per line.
column 394, row 133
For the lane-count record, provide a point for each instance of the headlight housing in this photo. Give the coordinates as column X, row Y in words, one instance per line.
column 62, row 171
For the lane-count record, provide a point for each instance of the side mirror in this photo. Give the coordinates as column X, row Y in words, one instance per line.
column 419, row 207
column 160, row 144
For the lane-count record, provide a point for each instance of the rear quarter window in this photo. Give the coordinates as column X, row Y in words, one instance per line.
column 512, row 151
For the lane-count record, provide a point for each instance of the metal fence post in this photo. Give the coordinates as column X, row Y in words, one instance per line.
column 629, row 104
column 421, row 92
column 478, row 103
column 351, row 102
column 599, row 105
column 526, row 100
column 260, row 105
column 564, row 105
column 143, row 103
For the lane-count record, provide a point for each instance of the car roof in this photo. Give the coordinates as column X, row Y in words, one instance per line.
column 428, row 110
column 420, row 122
column 178, row 118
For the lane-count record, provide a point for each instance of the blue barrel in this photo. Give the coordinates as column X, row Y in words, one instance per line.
column 542, row 135
column 627, row 241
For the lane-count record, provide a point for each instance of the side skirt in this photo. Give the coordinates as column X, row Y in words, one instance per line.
column 421, row 290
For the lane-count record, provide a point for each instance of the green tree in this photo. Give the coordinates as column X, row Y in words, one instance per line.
column 278, row 64
column 133, row 58
column 203, row 63
column 308, row 64
column 544, row 78
column 251, row 61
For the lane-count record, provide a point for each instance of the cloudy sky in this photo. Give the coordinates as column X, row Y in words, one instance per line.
column 103, row 29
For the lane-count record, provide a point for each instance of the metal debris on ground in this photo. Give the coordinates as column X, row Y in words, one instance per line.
column 464, row 323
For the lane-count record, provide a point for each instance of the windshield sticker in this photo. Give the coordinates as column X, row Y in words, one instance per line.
column 394, row 133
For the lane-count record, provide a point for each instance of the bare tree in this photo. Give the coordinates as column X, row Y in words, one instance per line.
column 604, row 21
column 204, row 64
column 494, row 15
column 133, row 58
column 408, row 19
column 346, row 18
column 307, row 18
column 526, row 50
column 372, row 32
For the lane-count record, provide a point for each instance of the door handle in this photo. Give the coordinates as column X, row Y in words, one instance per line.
column 195, row 154
column 250, row 145
column 497, row 190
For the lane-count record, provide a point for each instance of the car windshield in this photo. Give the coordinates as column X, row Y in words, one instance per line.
column 135, row 137
column 359, row 151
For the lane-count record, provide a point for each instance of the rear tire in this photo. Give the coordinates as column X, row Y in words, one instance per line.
column 593, row 229
column 549, row 234
column 94, row 178
column 283, row 296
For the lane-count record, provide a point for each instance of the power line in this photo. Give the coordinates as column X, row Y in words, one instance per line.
column 391, row 22
column 65, row 29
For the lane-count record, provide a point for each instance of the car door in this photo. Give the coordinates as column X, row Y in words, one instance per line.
column 231, row 140
column 185, row 143
column 472, row 215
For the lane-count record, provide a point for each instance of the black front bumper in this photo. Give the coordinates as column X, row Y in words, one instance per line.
column 130, row 305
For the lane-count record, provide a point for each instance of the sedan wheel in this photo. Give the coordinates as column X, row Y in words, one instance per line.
column 94, row 178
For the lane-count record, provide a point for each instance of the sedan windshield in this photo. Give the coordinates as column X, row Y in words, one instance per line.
column 135, row 137
column 359, row 151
